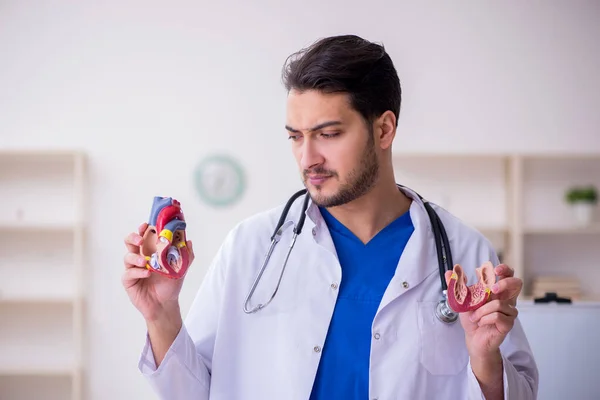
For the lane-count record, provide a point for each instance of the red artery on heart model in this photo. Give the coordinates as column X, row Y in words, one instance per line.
column 463, row 298
column 164, row 242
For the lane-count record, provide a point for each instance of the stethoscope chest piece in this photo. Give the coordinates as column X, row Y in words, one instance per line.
column 443, row 311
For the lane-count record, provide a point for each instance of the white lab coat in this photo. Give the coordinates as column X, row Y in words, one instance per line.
column 221, row 353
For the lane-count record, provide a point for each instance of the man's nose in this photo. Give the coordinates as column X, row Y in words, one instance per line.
column 310, row 155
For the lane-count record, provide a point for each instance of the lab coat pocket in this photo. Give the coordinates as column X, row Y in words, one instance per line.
column 442, row 346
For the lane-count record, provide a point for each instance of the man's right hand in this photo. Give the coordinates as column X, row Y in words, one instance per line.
column 154, row 295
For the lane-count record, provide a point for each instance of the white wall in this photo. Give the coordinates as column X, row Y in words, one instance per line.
column 119, row 79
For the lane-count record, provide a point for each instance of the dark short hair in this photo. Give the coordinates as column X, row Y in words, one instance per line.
column 347, row 64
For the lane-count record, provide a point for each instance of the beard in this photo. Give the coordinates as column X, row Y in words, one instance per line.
column 359, row 181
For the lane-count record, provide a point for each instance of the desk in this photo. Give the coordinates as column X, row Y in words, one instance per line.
column 565, row 339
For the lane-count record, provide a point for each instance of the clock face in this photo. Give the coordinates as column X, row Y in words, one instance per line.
column 219, row 180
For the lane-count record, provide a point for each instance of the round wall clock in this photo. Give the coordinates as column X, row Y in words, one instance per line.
column 219, row 180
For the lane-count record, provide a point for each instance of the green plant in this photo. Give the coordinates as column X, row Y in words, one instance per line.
column 582, row 194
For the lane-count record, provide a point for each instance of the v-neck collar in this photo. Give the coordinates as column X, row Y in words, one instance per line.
column 378, row 239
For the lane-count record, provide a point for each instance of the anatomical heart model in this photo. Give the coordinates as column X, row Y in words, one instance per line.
column 164, row 242
column 462, row 298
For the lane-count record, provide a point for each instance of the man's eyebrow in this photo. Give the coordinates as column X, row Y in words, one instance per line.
column 315, row 128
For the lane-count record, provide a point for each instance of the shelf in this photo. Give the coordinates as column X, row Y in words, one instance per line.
column 36, row 264
column 42, row 221
column 36, row 299
column 492, row 155
column 472, row 187
column 59, row 371
column 16, row 226
column 567, row 255
column 38, row 189
column 516, row 200
column 441, row 157
column 584, row 302
column 490, row 228
column 43, row 155
column 545, row 182
column 27, row 387
column 39, row 337
column 563, row 230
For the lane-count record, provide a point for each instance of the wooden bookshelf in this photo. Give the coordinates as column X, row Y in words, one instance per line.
column 41, row 260
column 518, row 202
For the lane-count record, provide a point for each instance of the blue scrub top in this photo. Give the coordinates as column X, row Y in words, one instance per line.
column 367, row 269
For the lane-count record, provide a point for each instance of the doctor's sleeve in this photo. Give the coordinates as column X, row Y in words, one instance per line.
column 185, row 372
column 520, row 372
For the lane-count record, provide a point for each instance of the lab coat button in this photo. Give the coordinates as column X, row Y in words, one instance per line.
column 317, row 349
column 334, row 285
column 405, row 285
column 377, row 336
column 314, row 231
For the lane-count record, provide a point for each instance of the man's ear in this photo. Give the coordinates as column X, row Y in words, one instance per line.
column 385, row 128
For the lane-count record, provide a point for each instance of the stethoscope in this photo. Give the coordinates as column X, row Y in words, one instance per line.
column 442, row 310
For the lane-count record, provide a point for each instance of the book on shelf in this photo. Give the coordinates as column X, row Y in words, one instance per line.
column 563, row 286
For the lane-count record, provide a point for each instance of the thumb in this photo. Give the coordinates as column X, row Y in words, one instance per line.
column 447, row 275
column 191, row 250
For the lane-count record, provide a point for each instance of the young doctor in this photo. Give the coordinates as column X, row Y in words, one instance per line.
column 354, row 315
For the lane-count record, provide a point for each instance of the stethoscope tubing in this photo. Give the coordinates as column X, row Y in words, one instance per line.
column 442, row 245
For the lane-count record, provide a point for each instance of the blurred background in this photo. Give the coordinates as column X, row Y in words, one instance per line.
column 104, row 105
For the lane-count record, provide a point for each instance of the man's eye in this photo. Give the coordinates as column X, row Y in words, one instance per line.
column 330, row 134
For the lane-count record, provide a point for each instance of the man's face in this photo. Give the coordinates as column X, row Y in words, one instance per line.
column 333, row 146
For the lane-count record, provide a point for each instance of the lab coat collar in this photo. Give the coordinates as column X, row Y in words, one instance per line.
column 417, row 211
column 418, row 261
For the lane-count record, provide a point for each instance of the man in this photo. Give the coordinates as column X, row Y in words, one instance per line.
column 353, row 317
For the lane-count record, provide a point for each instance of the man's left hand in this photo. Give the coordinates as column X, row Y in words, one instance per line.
column 487, row 327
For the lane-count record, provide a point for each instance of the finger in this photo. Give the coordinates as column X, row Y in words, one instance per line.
column 503, row 323
column 133, row 242
column 133, row 275
column 504, row 271
column 191, row 249
column 447, row 275
column 142, row 228
column 508, row 287
column 493, row 306
column 134, row 260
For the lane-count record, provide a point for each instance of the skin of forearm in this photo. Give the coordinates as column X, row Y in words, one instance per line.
column 163, row 330
column 489, row 372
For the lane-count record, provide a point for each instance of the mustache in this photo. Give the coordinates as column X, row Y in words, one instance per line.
column 318, row 171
